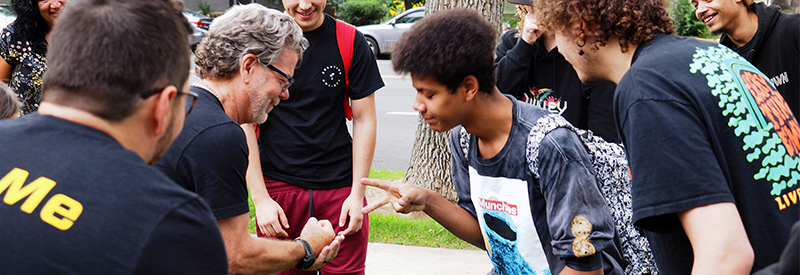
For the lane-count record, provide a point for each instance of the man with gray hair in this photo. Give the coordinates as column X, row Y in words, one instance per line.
column 246, row 64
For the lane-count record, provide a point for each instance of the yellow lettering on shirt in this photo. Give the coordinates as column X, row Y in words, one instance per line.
column 781, row 206
column 788, row 199
column 56, row 205
column 67, row 208
column 35, row 191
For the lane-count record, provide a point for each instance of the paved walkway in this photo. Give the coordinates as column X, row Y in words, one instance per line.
column 393, row 259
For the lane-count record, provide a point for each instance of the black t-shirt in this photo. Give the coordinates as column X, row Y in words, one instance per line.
column 305, row 141
column 745, row 49
column 209, row 157
column 776, row 50
column 83, row 204
column 701, row 126
column 544, row 78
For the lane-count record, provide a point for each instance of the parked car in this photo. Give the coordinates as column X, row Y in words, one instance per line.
column 196, row 36
column 198, row 19
column 382, row 37
column 6, row 16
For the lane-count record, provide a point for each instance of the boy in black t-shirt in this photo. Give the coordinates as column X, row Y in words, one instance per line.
column 713, row 148
column 308, row 164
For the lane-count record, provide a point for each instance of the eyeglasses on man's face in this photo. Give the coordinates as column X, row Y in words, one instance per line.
column 189, row 102
column 289, row 80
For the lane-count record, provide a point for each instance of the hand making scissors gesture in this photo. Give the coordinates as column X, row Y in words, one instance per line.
column 403, row 197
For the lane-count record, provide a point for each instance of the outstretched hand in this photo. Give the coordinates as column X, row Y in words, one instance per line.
column 403, row 197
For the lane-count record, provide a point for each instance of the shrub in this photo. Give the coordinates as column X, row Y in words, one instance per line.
column 204, row 8
column 686, row 23
column 362, row 12
column 511, row 19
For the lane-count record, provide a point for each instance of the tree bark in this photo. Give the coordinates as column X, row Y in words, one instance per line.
column 492, row 10
column 430, row 165
column 430, row 161
column 791, row 6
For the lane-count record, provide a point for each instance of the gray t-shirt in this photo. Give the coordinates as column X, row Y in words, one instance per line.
column 516, row 210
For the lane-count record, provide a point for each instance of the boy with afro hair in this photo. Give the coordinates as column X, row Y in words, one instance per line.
column 502, row 207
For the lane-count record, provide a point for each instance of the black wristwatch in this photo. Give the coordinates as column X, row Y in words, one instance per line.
column 309, row 259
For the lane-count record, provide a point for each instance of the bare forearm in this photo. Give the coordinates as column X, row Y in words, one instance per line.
column 718, row 239
column 364, row 132
column 255, row 180
column 455, row 219
column 247, row 254
column 266, row 256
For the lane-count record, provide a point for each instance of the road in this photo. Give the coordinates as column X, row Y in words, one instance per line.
column 397, row 120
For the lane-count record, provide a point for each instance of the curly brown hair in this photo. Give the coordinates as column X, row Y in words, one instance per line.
column 632, row 21
column 449, row 45
column 521, row 12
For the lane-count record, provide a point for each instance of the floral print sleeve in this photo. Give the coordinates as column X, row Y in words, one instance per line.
column 27, row 68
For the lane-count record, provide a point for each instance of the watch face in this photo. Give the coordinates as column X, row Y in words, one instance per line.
column 308, row 259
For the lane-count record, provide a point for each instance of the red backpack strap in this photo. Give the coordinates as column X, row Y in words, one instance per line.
column 345, row 37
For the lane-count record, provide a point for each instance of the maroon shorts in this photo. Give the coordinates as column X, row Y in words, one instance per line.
column 327, row 205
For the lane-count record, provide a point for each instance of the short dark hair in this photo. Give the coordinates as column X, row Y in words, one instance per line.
column 634, row 22
column 105, row 55
column 449, row 45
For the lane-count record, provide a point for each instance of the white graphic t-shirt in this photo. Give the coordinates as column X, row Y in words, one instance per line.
column 503, row 211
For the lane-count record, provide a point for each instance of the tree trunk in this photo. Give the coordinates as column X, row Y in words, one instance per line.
column 430, row 161
column 791, row 6
column 408, row 4
column 430, row 165
column 492, row 10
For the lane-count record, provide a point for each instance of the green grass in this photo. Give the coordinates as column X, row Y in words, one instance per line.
column 396, row 229
column 387, row 175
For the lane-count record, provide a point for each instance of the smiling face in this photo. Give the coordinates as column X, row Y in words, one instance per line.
column 307, row 13
column 267, row 91
column 718, row 14
column 50, row 9
column 440, row 108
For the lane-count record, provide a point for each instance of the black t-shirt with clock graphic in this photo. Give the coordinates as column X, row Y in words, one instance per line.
column 305, row 141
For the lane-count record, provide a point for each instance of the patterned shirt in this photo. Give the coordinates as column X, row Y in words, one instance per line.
column 27, row 68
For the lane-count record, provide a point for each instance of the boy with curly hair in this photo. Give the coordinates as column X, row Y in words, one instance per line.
column 712, row 146
column 502, row 207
